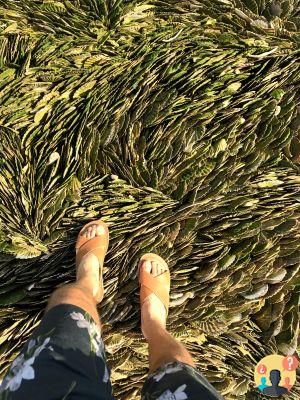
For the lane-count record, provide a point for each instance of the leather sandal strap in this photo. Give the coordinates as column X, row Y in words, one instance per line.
column 97, row 245
column 158, row 285
column 92, row 246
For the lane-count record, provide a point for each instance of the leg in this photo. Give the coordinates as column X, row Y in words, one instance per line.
column 77, row 294
column 84, row 293
column 172, row 370
column 163, row 347
column 65, row 356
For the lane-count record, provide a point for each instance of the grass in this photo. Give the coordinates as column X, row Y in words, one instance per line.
column 177, row 122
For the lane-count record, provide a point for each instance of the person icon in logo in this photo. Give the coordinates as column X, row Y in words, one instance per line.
column 263, row 384
column 287, row 383
column 275, row 390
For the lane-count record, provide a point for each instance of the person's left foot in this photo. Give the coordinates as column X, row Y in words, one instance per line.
column 88, row 271
column 153, row 311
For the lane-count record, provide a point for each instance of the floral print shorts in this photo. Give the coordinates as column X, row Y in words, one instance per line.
column 65, row 360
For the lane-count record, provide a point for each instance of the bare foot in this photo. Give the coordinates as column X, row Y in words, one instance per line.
column 88, row 271
column 153, row 311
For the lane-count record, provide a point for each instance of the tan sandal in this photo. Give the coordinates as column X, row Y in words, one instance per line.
column 97, row 245
column 159, row 285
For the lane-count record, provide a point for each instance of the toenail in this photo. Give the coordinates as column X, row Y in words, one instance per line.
column 100, row 229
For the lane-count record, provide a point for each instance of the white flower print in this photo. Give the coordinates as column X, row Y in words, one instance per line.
column 31, row 343
column 179, row 394
column 21, row 367
column 168, row 370
column 81, row 322
column 95, row 337
column 21, row 370
column 98, row 347
column 93, row 330
column 106, row 375
column 42, row 347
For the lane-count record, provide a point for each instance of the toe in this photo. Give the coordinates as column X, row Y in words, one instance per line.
column 100, row 230
column 88, row 232
column 146, row 265
column 93, row 231
column 159, row 269
column 154, row 271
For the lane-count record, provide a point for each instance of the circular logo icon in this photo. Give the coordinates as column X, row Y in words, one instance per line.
column 275, row 375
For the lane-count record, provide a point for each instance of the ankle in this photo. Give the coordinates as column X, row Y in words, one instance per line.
column 166, row 349
column 89, row 284
column 85, row 287
column 155, row 330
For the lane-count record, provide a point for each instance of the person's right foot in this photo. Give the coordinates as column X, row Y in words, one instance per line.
column 153, row 312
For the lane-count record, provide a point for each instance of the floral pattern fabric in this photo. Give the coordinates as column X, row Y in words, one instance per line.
column 178, row 381
column 65, row 360
column 179, row 394
column 22, row 368
column 95, row 337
